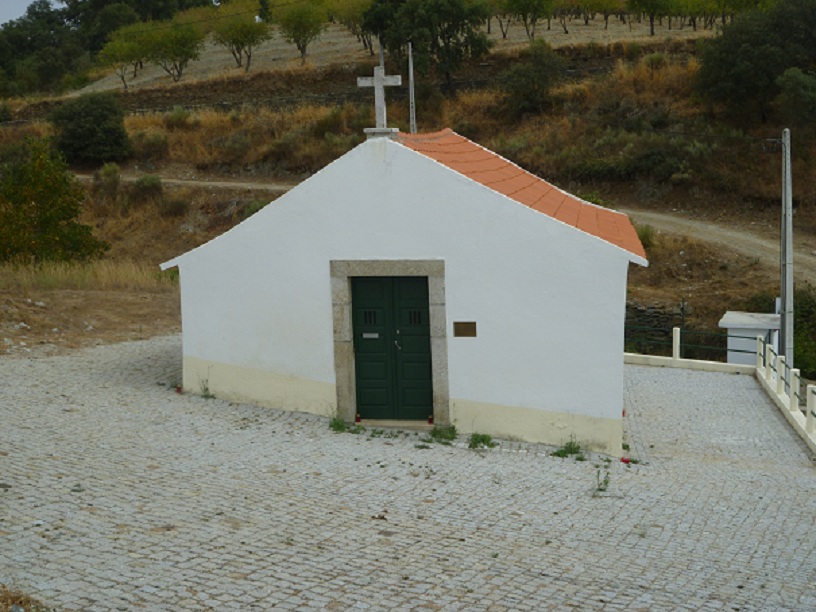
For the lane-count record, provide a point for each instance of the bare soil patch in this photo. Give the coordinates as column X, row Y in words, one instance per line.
column 52, row 322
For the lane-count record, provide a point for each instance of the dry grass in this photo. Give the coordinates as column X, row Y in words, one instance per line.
column 255, row 135
column 652, row 80
column 103, row 275
column 708, row 278
column 11, row 135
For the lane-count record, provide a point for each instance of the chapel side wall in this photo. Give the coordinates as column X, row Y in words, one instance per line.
column 548, row 300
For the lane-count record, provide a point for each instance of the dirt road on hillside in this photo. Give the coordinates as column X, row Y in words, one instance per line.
column 278, row 188
column 760, row 243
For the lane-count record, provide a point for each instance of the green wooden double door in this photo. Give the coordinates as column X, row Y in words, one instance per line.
column 392, row 347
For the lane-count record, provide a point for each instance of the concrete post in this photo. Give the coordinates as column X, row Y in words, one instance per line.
column 676, row 343
column 794, row 389
column 810, row 421
column 780, row 375
column 768, row 362
column 759, row 352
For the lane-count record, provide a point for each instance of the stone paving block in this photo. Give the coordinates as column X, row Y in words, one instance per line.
column 122, row 487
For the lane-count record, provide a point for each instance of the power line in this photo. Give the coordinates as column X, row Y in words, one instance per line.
column 169, row 24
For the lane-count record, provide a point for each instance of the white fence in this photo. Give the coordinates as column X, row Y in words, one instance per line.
column 783, row 385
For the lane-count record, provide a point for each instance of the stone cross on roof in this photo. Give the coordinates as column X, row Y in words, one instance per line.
column 379, row 82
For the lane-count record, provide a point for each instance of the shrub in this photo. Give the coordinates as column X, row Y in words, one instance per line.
column 647, row 237
column 233, row 146
column 106, row 182
column 146, row 188
column 527, row 86
column 5, row 112
column 179, row 119
column 91, row 129
column 175, row 207
column 654, row 61
column 40, row 201
column 804, row 329
column 253, row 207
column 150, row 145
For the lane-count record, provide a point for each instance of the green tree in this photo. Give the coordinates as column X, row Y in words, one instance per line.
column 173, row 45
column 651, row 8
column 238, row 31
column 91, row 129
column 125, row 51
column 797, row 97
column 351, row 13
column 528, row 84
column 40, row 201
column 564, row 10
column 108, row 20
column 740, row 67
column 264, row 11
column 38, row 50
column 606, row 8
column 301, row 23
column 501, row 11
column 443, row 32
column 529, row 12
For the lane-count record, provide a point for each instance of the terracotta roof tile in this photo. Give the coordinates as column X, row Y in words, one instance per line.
column 493, row 171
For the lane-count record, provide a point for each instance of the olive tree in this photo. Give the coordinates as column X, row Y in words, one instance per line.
column 237, row 29
column 301, row 23
column 173, row 45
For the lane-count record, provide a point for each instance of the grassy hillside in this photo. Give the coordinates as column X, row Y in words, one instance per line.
column 623, row 129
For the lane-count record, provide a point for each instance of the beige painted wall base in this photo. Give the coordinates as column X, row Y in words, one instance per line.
column 248, row 385
column 238, row 384
column 530, row 425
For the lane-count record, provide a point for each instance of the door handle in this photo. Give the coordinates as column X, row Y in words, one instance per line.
column 397, row 344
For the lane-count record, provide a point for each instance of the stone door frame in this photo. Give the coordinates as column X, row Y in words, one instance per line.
column 342, row 271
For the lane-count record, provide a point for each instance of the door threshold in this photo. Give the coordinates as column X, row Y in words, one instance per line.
column 392, row 424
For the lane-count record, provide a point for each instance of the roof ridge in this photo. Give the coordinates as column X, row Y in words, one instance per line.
column 624, row 237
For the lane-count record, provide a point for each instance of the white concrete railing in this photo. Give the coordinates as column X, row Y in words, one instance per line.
column 783, row 389
column 782, row 384
column 675, row 361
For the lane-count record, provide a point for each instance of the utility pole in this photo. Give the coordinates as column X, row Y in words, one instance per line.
column 786, row 258
column 411, row 88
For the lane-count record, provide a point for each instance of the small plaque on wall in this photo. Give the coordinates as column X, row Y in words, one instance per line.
column 464, row 329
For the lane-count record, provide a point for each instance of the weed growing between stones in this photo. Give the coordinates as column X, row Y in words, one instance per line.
column 381, row 433
column 602, row 481
column 205, row 389
column 478, row 440
column 442, row 435
column 338, row 425
column 570, row 448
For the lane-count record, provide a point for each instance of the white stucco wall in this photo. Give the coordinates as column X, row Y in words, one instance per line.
column 548, row 300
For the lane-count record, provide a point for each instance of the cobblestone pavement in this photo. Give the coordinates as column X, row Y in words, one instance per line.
column 119, row 494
